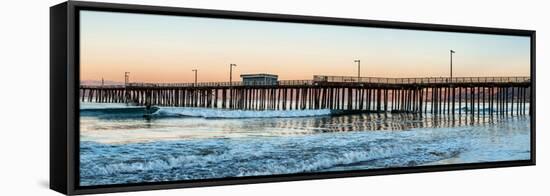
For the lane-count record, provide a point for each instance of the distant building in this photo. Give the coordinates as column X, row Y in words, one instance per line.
column 259, row 79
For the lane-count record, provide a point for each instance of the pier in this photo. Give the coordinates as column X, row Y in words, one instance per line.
column 435, row 95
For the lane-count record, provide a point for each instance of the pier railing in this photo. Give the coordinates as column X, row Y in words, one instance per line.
column 425, row 80
column 319, row 79
column 107, row 86
column 199, row 84
column 226, row 84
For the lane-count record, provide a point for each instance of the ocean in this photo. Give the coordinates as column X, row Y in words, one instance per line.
column 118, row 145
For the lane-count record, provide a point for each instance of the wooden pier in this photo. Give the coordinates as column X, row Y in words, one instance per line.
column 437, row 96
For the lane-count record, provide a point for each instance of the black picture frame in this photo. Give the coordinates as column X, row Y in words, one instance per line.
column 64, row 84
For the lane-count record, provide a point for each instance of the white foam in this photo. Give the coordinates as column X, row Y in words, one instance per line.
column 188, row 159
column 93, row 105
column 224, row 113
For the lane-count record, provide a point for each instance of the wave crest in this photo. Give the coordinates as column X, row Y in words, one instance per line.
column 224, row 113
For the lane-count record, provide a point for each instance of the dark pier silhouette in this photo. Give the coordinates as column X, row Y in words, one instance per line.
column 438, row 96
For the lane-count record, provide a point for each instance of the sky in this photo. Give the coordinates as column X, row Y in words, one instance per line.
column 159, row 48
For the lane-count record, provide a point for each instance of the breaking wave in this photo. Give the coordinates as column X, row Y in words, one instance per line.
column 219, row 158
column 182, row 148
column 224, row 113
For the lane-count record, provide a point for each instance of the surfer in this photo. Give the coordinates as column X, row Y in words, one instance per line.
column 149, row 109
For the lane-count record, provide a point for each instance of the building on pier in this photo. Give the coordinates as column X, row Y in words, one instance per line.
column 259, row 79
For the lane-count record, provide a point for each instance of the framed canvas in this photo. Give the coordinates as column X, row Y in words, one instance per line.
column 147, row 97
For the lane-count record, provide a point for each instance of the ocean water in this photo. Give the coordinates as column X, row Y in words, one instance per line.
column 118, row 145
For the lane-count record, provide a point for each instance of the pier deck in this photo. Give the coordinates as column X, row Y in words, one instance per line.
column 441, row 95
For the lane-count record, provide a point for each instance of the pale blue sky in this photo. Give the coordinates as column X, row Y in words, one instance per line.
column 158, row 48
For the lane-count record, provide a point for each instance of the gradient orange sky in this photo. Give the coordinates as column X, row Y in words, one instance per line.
column 157, row 48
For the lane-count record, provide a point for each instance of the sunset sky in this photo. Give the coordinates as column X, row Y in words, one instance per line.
column 157, row 48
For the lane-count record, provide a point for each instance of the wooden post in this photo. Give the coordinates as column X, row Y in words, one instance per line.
column 454, row 100
column 472, row 99
column 478, row 100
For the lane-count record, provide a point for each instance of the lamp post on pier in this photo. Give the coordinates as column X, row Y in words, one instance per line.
column 195, row 70
column 126, row 78
column 126, row 81
column 451, row 52
column 358, row 69
column 231, row 73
